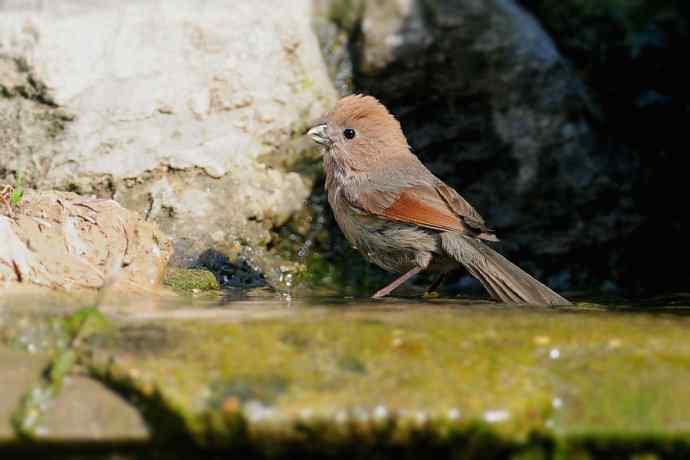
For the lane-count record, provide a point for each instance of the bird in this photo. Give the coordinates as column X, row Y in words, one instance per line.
column 402, row 217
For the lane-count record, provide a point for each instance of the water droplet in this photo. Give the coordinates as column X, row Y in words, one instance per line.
column 341, row 417
column 361, row 415
column 257, row 411
column 557, row 403
column 380, row 412
column 495, row 416
column 554, row 353
column 453, row 413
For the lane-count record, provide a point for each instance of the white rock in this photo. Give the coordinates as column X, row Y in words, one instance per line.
column 166, row 88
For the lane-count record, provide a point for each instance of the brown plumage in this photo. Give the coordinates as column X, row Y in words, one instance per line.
column 402, row 217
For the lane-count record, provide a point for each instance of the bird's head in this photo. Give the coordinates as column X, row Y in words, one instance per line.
column 360, row 132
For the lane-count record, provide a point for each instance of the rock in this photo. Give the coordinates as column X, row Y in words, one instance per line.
column 80, row 409
column 627, row 53
column 18, row 371
column 87, row 411
column 489, row 104
column 314, row 379
column 66, row 241
column 173, row 109
column 257, row 378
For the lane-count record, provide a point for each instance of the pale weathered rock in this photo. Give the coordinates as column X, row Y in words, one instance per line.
column 171, row 105
column 62, row 240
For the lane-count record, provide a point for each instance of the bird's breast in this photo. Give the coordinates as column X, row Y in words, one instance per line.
column 391, row 245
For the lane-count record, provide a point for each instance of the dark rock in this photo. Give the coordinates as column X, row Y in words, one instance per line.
column 629, row 56
column 492, row 107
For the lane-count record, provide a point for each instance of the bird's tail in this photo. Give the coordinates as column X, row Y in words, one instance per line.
column 504, row 280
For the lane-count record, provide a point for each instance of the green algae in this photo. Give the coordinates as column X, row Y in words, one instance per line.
column 396, row 376
column 190, row 280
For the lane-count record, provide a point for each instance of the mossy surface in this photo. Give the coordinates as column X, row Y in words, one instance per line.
column 189, row 280
column 388, row 373
column 340, row 378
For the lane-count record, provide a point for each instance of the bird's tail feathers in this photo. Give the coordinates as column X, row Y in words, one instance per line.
column 504, row 280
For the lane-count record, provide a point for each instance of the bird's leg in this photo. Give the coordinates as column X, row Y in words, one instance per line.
column 437, row 282
column 388, row 289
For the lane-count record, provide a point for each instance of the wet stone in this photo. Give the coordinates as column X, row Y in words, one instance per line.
column 270, row 374
column 289, row 378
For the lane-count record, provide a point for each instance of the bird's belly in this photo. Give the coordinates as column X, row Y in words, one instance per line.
column 392, row 246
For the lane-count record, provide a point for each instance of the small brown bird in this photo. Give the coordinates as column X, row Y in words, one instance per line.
column 399, row 215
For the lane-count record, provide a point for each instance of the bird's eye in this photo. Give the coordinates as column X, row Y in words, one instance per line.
column 349, row 133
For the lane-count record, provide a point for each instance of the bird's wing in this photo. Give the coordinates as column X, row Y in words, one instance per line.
column 462, row 208
column 427, row 203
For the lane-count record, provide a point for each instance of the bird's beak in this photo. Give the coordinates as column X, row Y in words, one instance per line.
column 318, row 134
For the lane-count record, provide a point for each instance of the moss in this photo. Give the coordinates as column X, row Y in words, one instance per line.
column 430, row 376
column 264, row 389
column 353, row 364
column 17, row 194
column 188, row 280
column 345, row 13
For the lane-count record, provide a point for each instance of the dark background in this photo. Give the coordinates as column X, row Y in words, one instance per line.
column 630, row 54
column 606, row 209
